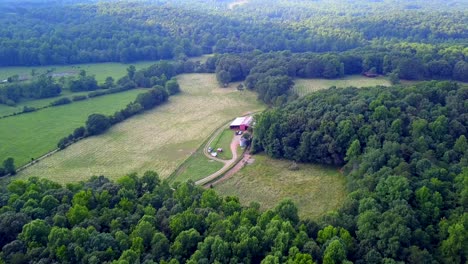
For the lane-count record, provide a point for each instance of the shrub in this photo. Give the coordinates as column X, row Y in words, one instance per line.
column 61, row 101
column 79, row 98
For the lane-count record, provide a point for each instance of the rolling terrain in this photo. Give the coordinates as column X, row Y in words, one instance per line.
column 33, row 134
column 160, row 139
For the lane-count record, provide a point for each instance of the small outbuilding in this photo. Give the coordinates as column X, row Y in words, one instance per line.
column 241, row 123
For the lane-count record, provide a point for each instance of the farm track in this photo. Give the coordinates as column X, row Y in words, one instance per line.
column 227, row 163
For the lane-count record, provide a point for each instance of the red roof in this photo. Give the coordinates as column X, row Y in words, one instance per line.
column 242, row 121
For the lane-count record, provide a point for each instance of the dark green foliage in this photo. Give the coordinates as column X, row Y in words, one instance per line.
column 61, row 101
column 28, row 109
column 79, row 98
column 172, row 87
column 83, row 83
column 42, row 87
column 96, row 124
column 144, row 218
column 9, row 166
column 154, row 97
column 405, row 149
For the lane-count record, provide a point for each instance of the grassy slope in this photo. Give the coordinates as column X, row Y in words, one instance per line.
column 315, row 189
column 100, row 70
column 307, row 86
column 224, row 141
column 31, row 135
column 197, row 167
column 160, row 139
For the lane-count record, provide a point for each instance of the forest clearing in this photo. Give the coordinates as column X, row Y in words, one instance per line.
column 34, row 134
column 306, row 86
column 160, row 139
column 314, row 189
column 100, row 70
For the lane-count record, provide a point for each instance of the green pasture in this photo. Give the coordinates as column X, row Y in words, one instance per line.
column 31, row 135
column 315, row 189
column 223, row 140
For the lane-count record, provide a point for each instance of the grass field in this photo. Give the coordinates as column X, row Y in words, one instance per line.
column 160, row 139
column 100, row 70
column 196, row 167
column 33, row 134
column 223, row 141
column 315, row 189
column 305, row 86
column 6, row 110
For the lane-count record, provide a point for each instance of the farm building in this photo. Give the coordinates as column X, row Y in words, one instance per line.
column 241, row 123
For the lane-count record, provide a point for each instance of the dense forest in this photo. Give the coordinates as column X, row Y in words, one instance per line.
column 405, row 157
column 144, row 220
column 44, row 34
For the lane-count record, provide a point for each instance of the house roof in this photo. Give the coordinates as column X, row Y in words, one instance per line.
column 245, row 120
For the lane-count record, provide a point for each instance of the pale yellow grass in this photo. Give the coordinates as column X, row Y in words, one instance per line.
column 159, row 140
column 305, row 86
column 315, row 189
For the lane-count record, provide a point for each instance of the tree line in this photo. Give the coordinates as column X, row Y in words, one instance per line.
column 272, row 74
column 145, row 220
column 404, row 152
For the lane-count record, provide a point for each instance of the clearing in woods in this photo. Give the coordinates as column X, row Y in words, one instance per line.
column 306, row 86
column 160, row 139
column 315, row 189
column 32, row 135
column 100, row 70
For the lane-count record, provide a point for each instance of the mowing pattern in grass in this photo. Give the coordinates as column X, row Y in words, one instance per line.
column 306, row 86
column 197, row 167
column 33, row 134
column 223, row 141
column 160, row 139
column 315, row 189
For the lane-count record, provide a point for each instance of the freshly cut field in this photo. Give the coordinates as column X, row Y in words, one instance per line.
column 159, row 140
column 306, row 86
column 314, row 189
column 33, row 134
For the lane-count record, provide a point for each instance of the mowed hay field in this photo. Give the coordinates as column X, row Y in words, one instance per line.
column 315, row 189
column 160, row 139
column 306, row 86
column 33, row 134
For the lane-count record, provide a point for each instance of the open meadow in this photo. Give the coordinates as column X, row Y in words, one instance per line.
column 196, row 167
column 37, row 103
column 160, row 139
column 315, row 189
column 223, row 141
column 100, row 70
column 33, row 134
column 306, row 86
